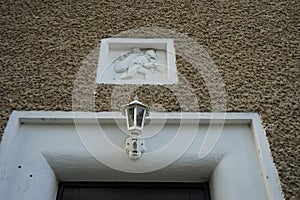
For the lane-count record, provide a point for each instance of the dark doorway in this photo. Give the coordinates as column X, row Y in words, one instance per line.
column 132, row 191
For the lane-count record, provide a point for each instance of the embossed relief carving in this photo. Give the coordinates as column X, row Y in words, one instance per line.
column 137, row 61
column 137, row 64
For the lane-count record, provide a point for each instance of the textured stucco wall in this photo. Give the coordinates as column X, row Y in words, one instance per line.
column 255, row 46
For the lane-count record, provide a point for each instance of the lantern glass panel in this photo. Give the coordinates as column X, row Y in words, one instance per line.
column 130, row 117
column 139, row 116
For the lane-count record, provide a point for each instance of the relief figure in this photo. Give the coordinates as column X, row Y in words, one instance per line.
column 136, row 62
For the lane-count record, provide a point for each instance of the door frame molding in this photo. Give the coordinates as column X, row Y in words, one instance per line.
column 41, row 148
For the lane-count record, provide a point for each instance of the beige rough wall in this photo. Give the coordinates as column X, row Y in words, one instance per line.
column 255, row 46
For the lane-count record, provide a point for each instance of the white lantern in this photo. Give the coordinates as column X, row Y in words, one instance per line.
column 135, row 113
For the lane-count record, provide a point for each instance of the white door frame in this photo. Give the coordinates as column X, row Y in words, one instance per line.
column 41, row 148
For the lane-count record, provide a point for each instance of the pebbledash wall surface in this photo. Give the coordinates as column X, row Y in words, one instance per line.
column 46, row 47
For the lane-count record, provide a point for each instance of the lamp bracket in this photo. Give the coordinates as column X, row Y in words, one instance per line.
column 135, row 146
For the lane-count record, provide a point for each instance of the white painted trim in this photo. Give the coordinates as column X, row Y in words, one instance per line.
column 51, row 160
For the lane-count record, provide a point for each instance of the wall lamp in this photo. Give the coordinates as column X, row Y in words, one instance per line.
column 135, row 113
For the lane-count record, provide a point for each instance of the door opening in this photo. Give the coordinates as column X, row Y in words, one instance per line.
column 132, row 191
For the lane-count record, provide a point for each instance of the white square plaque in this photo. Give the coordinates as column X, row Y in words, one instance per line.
column 137, row 61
